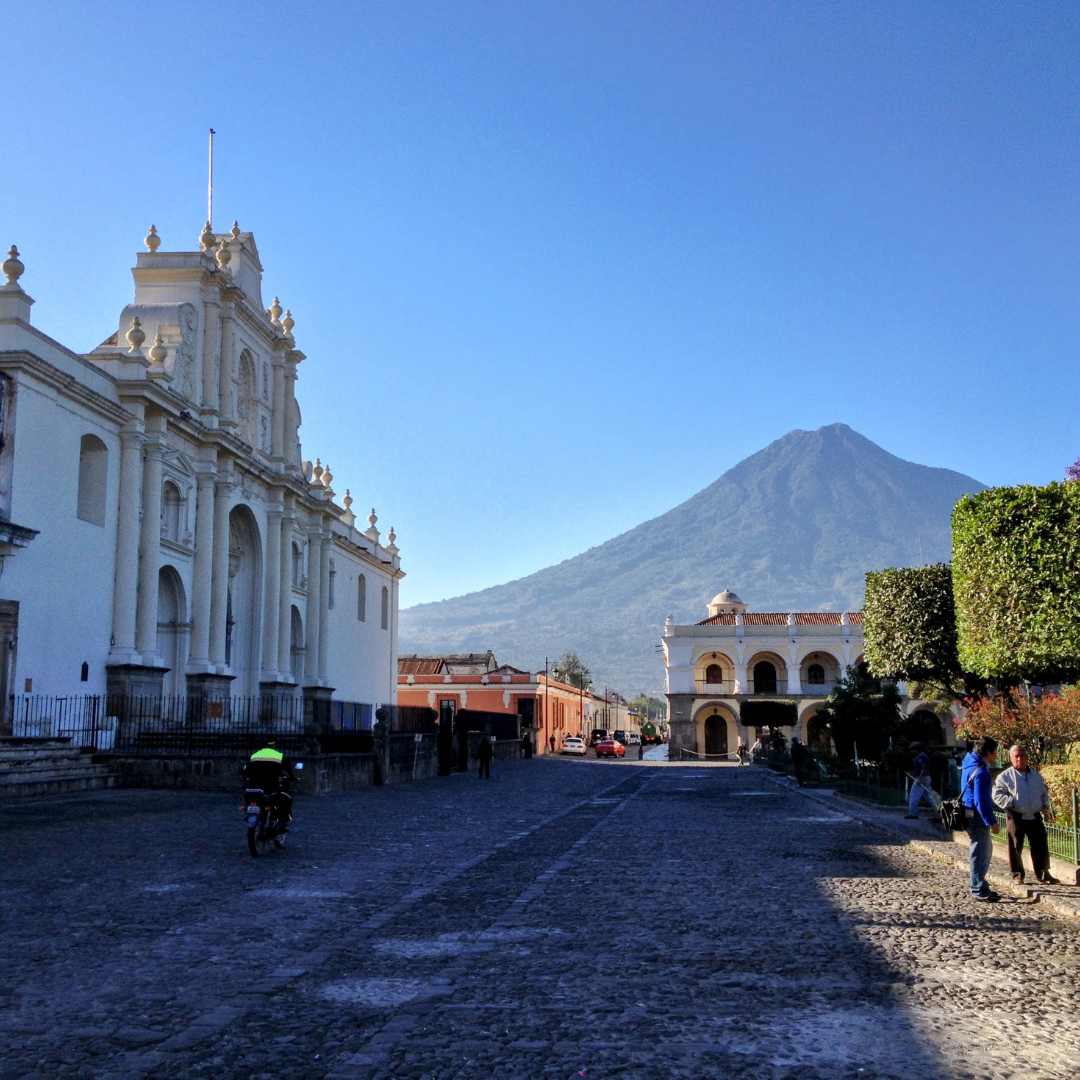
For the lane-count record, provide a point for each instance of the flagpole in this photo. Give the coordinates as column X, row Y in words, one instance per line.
column 210, row 184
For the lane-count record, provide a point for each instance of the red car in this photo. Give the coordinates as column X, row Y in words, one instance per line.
column 610, row 748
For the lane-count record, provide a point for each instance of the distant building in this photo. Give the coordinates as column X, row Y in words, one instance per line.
column 724, row 671
column 551, row 709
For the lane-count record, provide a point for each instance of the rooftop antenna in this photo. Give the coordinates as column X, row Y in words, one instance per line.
column 210, row 184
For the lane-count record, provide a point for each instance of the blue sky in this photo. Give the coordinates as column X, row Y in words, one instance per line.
column 556, row 266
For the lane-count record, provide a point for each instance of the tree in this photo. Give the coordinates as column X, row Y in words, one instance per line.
column 861, row 713
column 909, row 623
column 1016, row 582
column 1047, row 726
column 572, row 671
column 649, row 707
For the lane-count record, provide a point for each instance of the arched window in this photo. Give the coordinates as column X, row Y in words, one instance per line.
column 330, row 596
column 93, row 476
column 764, row 678
column 361, row 598
column 385, row 607
column 714, row 673
column 171, row 506
column 247, row 400
column 297, row 566
column 815, row 675
column 296, row 645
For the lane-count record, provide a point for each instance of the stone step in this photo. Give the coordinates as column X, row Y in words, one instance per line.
column 49, row 767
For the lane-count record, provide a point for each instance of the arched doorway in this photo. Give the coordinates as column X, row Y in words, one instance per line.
column 764, row 677
column 242, row 624
column 172, row 629
column 716, row 740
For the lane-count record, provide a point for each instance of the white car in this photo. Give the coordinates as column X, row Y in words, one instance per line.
column 573, row 745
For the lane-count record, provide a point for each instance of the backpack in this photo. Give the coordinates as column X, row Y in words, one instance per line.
column 953, row 812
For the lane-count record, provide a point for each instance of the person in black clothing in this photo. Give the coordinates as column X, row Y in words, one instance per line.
column 799, row 758
column 268, row 771
column 485, row 754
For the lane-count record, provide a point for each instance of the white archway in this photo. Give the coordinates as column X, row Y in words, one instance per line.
column 243, row 625
column 173, row 630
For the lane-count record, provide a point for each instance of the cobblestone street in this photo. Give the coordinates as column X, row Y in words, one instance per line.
column 565, row 919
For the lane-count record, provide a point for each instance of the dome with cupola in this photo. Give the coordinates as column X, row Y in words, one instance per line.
column 726, row 603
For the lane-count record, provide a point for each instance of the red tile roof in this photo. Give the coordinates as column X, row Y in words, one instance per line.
column 780, row 618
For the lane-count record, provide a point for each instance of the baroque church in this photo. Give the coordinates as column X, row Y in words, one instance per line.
column 160, row 532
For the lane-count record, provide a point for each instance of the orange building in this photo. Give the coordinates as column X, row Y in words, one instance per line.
column 447, row 683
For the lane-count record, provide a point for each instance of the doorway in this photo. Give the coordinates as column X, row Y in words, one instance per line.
column 716, row 736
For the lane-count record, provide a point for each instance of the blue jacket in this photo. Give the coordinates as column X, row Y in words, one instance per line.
column 976, row 795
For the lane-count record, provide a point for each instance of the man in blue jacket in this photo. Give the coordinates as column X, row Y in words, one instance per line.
column 976, row 796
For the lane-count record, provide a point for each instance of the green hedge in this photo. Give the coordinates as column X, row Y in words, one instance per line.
column 1016, row 581
column 909, row 624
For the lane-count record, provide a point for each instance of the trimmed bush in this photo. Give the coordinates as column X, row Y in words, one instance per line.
column 1016, row 582
column 909, row 623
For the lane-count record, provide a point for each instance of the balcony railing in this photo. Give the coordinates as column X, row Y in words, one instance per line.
column 771, row 686
column 819, row 689
column 724, row 689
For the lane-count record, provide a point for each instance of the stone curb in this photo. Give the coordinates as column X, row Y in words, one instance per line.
column 944, row 850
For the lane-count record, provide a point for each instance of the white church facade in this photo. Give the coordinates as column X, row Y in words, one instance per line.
column 714, row 668
column 160, row 532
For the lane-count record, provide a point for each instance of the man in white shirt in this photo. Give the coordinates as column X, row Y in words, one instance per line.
column 1021, row 793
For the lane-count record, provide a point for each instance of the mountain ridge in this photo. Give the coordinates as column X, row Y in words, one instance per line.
column 793, row 526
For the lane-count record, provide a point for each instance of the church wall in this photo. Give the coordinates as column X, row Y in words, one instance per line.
column 63, row 580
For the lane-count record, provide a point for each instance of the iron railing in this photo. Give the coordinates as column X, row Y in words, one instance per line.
column 205, row 724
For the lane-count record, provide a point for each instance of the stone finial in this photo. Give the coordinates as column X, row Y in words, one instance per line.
column 391, row 546
column 136, row 335
column 223, row 254
column 287, row 323
column 13, row 268
column 152, row 240
column 234, row 232
column 371, row 532
column 275, row 312
column 348, row 517
column 327, row 477
column 347, row 501
column 207, row 238
column 316, row 472
column 158, row 354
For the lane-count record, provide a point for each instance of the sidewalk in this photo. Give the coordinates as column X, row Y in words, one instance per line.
column 929, row 837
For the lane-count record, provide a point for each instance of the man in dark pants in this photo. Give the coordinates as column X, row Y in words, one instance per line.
column 975, row 787
column 485, row 754
column 1021, row 793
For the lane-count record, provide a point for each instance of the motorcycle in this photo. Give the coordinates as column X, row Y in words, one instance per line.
column 262, row 817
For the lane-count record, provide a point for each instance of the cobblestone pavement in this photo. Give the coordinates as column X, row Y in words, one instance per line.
column 565, row 919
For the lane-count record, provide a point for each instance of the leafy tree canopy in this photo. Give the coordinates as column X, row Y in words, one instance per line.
column 572, row 671
column 651, row 707
column 861, row 713
column 909, row 622
column 1016, row 582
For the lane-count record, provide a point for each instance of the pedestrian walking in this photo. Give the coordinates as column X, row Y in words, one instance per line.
column 976, row 797
column 757, row 749
column 485, row 754
column 920, row 787
column 740, row 750
column 1021, row 792
column 551, row 743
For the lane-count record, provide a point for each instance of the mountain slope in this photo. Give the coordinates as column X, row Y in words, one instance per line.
column 792, row 527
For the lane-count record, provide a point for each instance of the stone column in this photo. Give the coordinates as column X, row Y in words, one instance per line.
column 285, row 593
column 311, row 622
column 225, row 369
column 211, row 356
column 794, row 682
column 277, row 428
column 150, row 543
column 324, row 609
column 289, row 433
column 125, row 583
column 272, row 595
column 741, row 686
column 203, row 572
column 219, row 586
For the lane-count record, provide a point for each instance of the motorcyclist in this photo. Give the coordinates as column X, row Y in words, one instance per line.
column 267, row 770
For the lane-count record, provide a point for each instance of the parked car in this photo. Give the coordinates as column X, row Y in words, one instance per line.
column 634, row 739
column 598, row 733
column 573, row 745
column 620, row 736
column 610, row 748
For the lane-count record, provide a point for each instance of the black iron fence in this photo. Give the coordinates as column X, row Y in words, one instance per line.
column 203, row 724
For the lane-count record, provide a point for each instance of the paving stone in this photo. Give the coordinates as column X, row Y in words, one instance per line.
column 566, row 919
